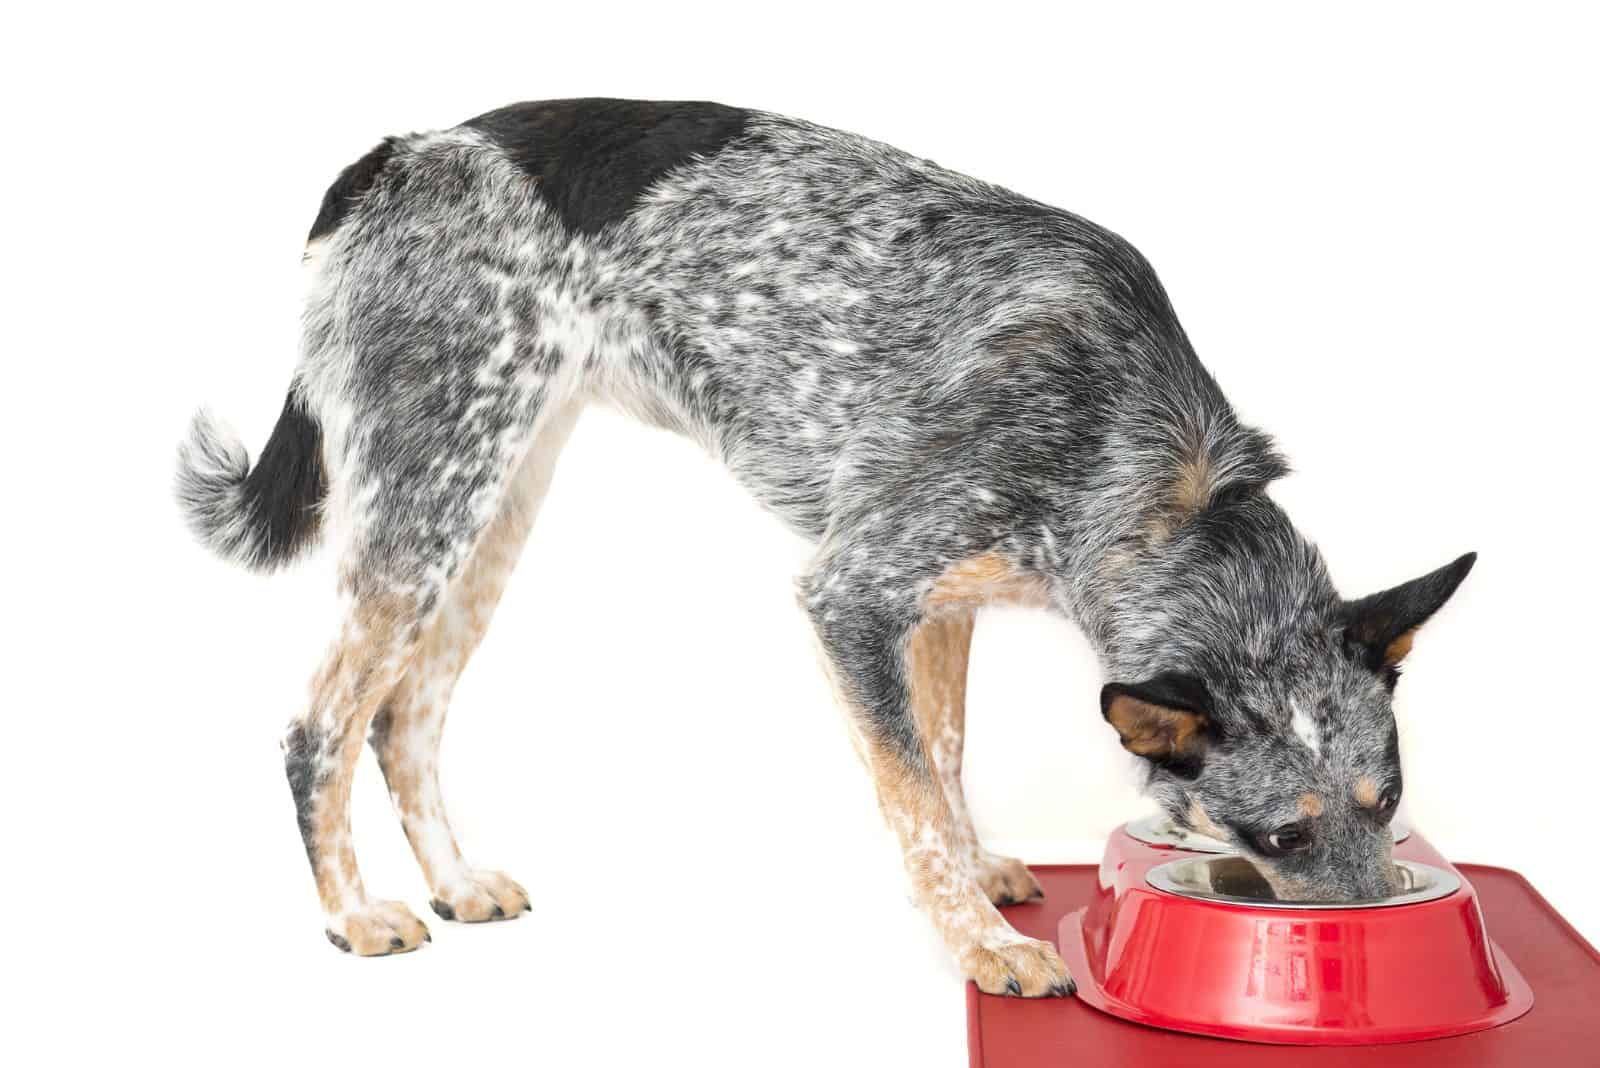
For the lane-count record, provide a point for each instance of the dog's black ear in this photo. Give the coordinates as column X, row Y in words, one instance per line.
column 1379, row 628
column 1166, row 719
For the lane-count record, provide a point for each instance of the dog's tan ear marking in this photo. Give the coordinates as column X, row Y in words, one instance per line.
column 1396, row 650
column 1154, row 730
column 1164, row 719
column 1382, row 627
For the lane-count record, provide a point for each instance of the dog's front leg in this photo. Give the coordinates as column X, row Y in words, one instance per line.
column 936, row 657
column 865, row 648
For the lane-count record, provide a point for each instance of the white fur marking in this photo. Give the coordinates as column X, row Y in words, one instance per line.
column 1304, row 728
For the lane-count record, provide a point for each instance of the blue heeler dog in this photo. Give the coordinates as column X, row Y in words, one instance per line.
column 960, row 395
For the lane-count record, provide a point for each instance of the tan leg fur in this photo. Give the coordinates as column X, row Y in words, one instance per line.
column 376, row 644
column 952, row 879
column 406, row 733
column 937, row 659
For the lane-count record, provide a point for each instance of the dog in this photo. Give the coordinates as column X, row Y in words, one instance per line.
column 959, row 395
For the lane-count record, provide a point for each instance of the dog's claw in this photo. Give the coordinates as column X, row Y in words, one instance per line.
column 341, row 943
column 480, row 897
column 1014, row 986
column 1007, row 881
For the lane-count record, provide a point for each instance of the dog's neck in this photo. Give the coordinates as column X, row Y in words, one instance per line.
column 1185, row 590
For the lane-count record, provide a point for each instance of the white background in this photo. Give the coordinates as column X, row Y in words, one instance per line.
column 1378, row 226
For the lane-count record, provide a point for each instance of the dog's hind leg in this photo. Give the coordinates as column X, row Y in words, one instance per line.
column 408, row 574
column 448, row 328
column 936, row 657
column 376, row 643
column 408, row 726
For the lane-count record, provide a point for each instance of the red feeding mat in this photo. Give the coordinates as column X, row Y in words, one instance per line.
column 1562, row 1029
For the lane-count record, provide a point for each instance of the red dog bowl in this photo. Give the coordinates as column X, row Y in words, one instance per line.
column 1194, row 941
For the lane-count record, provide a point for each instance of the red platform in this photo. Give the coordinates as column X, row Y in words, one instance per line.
column 1563, row 1029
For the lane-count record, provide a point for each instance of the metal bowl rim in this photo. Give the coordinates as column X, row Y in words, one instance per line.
column 1440, row 884
column 1151, row 830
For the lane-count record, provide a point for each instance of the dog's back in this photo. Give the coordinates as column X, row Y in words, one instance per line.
column 798, row 299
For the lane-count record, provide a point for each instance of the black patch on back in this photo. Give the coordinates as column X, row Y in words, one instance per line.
column 346, row 189
column 594, row 157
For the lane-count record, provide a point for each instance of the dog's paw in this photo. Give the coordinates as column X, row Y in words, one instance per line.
column 1006, row 880
column 377, row 929
column 477, row 896
column 1019, row 967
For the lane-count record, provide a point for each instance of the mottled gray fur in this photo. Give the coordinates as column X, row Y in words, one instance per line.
column 909, row 367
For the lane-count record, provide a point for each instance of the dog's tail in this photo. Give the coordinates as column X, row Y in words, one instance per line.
column 263, row 516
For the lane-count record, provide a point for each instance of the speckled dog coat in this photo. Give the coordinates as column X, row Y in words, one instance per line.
column 958, row 394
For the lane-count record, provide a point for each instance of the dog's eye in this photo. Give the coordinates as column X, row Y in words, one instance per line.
column 1291, row 838
column 1387, row 803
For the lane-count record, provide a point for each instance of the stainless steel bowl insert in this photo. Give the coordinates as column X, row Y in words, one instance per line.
column 1159, row 830
column 1233, row 880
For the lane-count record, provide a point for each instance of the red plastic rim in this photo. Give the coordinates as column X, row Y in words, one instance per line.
column 1324, row 976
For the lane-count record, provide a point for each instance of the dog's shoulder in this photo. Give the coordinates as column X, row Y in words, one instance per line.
column 592, row 158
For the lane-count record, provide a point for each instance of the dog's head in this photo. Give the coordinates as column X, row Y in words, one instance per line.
column 1288, row 749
